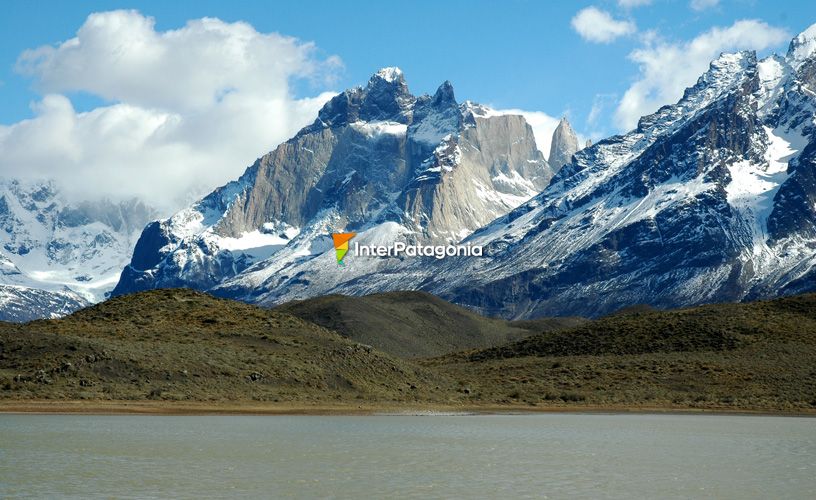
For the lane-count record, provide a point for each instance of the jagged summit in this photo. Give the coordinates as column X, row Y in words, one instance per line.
column 377, row 161
column 803, row 45
column 444, row 93
column 390, row 74
column 386, row 97
column 564, row 145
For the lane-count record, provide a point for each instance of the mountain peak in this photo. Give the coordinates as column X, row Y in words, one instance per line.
column 444, row 94
column 725, row 74
column 390, row 74
column 387, row 81
column 803, row 45
column 386, row 97
column 564, row 145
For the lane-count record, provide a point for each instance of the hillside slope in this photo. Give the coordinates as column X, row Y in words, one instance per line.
column 759, row 355
column 184, row 345
column 414, row 324
column 178, row 345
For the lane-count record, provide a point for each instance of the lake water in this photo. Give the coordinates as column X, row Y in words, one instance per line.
column 493, row 456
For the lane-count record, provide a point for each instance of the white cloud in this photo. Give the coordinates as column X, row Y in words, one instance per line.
column 600, row 104
column 629, row 4
column 595, row 112
column 666, row 69
column 598, row 26
column 190, row 108
column 699, row 5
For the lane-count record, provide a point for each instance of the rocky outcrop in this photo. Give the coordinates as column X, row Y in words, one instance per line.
column 564, row 145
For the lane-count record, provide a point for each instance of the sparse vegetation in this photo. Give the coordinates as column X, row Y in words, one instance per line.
column 179, row 345
column 759, row 355
column 183, row 345
column 415, row 324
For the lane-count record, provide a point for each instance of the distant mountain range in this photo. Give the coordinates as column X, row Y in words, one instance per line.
column 711, row 199
column 58, row 256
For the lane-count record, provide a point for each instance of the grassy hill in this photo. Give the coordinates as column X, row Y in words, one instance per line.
column 414, row 324
column 179, row 345
column 753, row 355
column 184, row 345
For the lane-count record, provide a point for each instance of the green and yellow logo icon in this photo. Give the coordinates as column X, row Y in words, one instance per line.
column 341, row 245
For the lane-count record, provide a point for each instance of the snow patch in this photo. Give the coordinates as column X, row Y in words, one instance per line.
column 390, row 74
column 377, row 129
column 491, row 196
column 257, row 244
column 753, row 187
column 803, row 46
column 772, row 71
column 516, row 182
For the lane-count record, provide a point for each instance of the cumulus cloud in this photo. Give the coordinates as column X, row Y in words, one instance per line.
column 666, row 69
column 600, row 104
column 598, row 26
column 188, row 108
column 699, row 5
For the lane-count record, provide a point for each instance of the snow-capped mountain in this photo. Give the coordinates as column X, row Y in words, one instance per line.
column 23, row 299
column 711, row 199
column 378, row 161
column 58, row 256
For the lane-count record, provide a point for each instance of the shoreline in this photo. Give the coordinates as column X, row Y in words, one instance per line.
column 164, row 408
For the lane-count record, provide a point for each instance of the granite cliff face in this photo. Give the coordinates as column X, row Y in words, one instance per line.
column 564, row 145
column 377, row 160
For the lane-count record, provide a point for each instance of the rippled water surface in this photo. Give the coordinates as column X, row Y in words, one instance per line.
column 540, row 456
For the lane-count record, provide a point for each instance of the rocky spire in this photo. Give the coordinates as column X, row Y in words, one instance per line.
column 564, row 145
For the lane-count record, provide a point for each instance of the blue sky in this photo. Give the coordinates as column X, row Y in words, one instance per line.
column 528, row 55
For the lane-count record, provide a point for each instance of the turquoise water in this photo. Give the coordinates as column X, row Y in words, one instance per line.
column 491, row 456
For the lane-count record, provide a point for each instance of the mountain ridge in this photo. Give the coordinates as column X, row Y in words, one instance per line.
column 377, row 161
column 58, row 255
column 707, row 200
column 710, row 199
